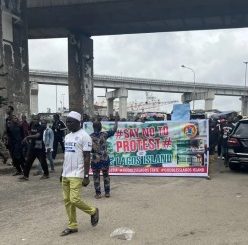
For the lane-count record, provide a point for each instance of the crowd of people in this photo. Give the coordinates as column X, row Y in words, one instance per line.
column 27, row 141
column 219, row 131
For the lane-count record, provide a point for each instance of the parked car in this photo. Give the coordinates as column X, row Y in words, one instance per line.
column 237, row 153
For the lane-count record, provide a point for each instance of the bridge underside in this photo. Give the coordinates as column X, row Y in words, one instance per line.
column 78, row 20
column 48, row 19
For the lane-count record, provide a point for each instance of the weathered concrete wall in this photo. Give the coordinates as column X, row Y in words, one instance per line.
column 80, row 73
column 49, row 3
column 14, row 44
column 244, row 105
column 34, row 91
column 2, row 77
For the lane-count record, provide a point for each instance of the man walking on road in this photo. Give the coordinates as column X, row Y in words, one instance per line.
column 15, row 136
column 36, row 149
column 48, row 138
column 78, row 146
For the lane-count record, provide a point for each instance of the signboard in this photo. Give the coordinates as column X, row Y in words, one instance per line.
column 160, row 148
column 181, row 112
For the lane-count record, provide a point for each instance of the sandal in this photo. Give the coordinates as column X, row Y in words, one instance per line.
column 95, row 218
column 68, row 231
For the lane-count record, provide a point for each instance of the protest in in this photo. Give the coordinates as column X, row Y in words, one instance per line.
column 123, row 122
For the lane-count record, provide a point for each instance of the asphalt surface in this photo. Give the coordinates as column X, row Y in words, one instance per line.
column 161, row 210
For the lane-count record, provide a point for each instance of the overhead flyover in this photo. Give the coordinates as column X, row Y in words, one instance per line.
column 189, row 90
column 139, row 84
column 56, row 18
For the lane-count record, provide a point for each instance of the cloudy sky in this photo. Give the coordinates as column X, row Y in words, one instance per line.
column 217, row 56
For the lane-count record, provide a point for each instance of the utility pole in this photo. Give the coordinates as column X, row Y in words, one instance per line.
column 245, row 62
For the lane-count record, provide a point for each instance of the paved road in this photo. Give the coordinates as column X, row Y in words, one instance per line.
column 160, row 211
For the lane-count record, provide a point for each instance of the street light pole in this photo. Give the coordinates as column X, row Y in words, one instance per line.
column 245, row 62
column 63, row 100
column 56, row 99
column 186, row 67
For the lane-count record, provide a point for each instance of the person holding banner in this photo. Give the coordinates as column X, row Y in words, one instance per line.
column 100, row 160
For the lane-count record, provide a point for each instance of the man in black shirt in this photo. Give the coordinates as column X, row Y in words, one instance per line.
column 58, row 128
column 226, row 130
column 8, row 120
column 15, row 137
column 36, row 149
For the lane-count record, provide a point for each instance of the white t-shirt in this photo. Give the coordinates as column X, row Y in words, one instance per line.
column 75, row 144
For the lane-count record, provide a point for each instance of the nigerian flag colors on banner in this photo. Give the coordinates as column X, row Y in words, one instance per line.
column 158, row 148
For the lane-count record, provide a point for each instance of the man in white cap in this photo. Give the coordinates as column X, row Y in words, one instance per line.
column 78, row 145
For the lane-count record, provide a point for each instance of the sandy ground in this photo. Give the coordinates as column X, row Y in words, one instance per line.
column 161, row 210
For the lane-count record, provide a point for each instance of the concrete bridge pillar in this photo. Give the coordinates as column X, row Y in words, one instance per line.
column 207, row 96
column 244, row 105
column 110, row 107
column 209, row 100
column 123, row 107
column 34, row 90
column 80, row 73
column 14, row 68
column 122, row 94
column 186, row 97
column 209, row 104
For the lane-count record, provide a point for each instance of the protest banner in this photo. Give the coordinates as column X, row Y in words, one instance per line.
column 158, row 148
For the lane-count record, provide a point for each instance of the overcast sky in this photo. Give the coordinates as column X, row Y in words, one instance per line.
column 217, row 56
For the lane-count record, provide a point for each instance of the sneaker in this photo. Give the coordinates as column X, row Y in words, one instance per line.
column 23, row 178
column 95, row 218
column 44, row 176
column 98, row 196
column 223, row 158
column 218, row 157
column 107, row 195
column 37, row 173
column 17, row 173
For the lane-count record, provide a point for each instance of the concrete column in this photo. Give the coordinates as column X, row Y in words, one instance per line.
column 123, row 107
column 14, row 71
column 80, row 73
column 207, row 96
column 14, row 55
column 186, row 97
column 110, row 107
column 244, row 105
column 122, row 94
column 209, row 104
column 34, row 90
